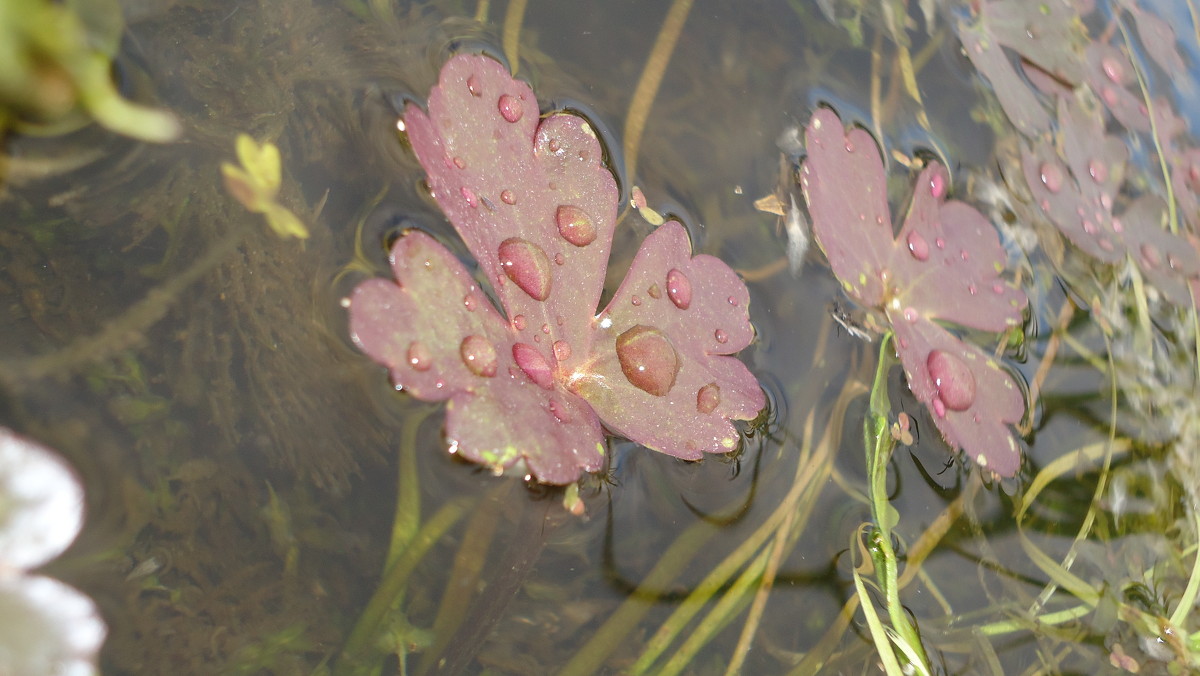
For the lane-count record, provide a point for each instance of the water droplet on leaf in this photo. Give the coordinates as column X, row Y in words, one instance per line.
column 508, row 197
column 679, row 289
column 575, row 225
column 1052, row 176
column 479, row 355
column 510, row 108
column 648, row 359
column 937, row 185
column 708, row 398
column 473, row 85
column 527, row 266
column 418, row 356
column 917, row 246
column 562, row 350
column 654, row 291
column 720, row 336
column 953, row 380
column 468, row 196
column 534, row 364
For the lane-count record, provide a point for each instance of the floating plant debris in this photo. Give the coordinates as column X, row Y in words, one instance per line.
column 536, row 206
column 943, row 266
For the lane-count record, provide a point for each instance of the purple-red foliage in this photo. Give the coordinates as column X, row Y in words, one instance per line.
column 943, row 266
column 536, row 206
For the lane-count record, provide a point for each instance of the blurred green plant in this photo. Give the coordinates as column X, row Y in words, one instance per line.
column 55, row 71
column 255, row 184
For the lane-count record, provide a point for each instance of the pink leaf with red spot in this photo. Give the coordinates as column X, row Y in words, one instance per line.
column 536, row 206
column 942, row 266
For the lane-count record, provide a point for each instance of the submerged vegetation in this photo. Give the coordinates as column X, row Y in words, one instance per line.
column 260, row 500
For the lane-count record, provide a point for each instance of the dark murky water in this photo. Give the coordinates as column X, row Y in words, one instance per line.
column 241, row 458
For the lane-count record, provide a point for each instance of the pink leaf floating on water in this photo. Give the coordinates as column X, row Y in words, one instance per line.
column 1046, row 35
column 536, row 206
column 942, row 266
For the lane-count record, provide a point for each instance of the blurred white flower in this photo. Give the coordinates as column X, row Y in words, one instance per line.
column 46, row 627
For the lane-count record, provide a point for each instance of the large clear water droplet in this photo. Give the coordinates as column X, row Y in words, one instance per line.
column 479, row 355
column 527, row 266
column 708, row 398
column 575, row 225
column 953, row 380
column 534, row 364
column 648, row 359
column 917, row 246
column 510, row 108
column 679, row 289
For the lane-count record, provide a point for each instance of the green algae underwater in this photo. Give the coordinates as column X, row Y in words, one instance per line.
column 260, row 499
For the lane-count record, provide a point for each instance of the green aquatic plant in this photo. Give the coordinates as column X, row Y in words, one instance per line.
column 535, row 204
column 943, row 266
column 52, row 64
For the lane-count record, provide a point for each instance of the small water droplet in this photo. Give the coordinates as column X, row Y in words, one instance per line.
column 468, row 196
column 473, row 85
column 939, row 243
column 1098, row 171
column 1150, row 255
column 733, row 301
column 508, row 197
column 937, row 185
column 939, row 407
column 1089, row 227
column 559, row 411
column 479, row 355
column 849, row 146
column 1106, row 201
column 575, row 225
column 636, row 300
column 519, row 322
column 1117, row 225
column 469, row 302
column 964, row 254
column 546, row 329
column 458, row 162
column 559, row 259
column 418, row 356
column 997, row 288
column 679, row 289
column 648, row 359
column 953, row 380
column 527, row 266
column 562, row 350
column 1052, row 176
column 654, row 291
column 708, row 398
column 510, row 108
column 917, row 246
column 534, row 364
column 972, row 289
column 910, row 314
column 1112, row 69
column 721, row 336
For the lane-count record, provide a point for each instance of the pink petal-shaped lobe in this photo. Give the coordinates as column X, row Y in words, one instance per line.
column 978, row 423
column 436, row 349
column 842, row 180
column 943, row 265
column 685, row 420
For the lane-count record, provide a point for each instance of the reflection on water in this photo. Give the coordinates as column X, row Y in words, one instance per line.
column 243, row 462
